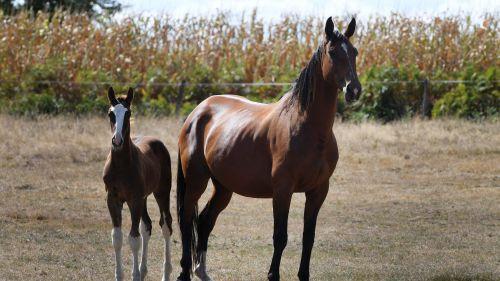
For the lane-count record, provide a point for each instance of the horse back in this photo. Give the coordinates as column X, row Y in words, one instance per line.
column 229, row 136
column 155, row 160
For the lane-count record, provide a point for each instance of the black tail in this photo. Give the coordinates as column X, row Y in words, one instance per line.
column 181, row 192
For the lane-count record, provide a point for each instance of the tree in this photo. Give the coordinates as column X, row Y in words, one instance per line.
column 7, row 6
column 91, row 7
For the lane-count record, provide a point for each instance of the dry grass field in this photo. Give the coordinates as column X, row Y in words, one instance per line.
column 416, row 200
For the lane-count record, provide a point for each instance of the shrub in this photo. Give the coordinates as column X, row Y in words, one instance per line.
column 31, row 105
column 156, row 107
column 478, row 99
column 384, row 97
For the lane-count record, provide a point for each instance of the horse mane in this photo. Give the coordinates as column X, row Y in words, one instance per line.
column 303, row 90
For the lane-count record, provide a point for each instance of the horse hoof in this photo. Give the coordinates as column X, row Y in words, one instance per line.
column 144, row 272
column 136, row 277
column 119, row 276
column 183, row 278
column 303, row 276
column 273, row 276
column 202, row 274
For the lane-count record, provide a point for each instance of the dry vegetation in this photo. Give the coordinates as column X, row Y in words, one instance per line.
column 244, row 50
column 409, row 201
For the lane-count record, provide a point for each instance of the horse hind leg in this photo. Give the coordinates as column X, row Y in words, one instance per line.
column 145, row 228
column 163, row 200
column 217, row 203
column 190, row 187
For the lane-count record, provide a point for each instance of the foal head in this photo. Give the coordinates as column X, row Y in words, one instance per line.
column 119, row 117
column 339, row 65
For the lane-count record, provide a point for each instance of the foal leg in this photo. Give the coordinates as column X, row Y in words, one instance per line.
column 115, row 211
column 282, row 197
column 163, row 200
column 145, row 228
column 217, row 203
column 314, row 200
column 136, row 207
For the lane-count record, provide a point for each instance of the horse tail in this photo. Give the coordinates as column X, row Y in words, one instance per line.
column 181, row 193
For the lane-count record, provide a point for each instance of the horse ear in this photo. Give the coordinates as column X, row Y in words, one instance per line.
column 130, row 96
column 111, row 96
column 329, row 29
column 351, row 28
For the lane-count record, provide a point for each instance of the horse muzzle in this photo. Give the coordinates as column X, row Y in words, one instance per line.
column 117, row 142
column 352, row 92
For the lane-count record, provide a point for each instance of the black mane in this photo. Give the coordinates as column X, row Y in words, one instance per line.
column 303, row 90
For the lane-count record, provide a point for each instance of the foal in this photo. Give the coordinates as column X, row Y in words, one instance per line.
column 133, row 170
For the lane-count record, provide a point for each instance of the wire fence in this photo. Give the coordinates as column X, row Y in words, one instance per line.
column 178, row 89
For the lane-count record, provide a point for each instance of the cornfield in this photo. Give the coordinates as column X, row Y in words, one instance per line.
column 224, row 48
column 250, row 50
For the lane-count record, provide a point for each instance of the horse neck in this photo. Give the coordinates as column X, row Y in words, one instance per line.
column 123, row 158
column 319, row 116
column 321, row 113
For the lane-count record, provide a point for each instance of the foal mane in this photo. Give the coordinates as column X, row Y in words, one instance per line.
column 303, row 90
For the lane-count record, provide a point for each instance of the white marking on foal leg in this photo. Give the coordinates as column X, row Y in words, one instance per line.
column 167, row 264
column 144, row 259
column 117, row 240
column 201, row 267
column 135, row 245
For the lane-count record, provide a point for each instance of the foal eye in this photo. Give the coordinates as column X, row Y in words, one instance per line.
column 355, row 51
column 111, row 117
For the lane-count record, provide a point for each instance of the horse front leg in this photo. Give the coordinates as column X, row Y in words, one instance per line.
column 314, row 201
column 282, row 197
column 136, row 208
column 115, row 207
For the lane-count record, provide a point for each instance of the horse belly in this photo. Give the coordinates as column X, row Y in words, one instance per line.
column 244, row 169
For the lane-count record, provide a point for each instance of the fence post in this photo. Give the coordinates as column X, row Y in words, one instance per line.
column 425, row 98
column 180, row 97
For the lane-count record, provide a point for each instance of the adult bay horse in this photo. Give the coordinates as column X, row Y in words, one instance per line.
column 265, row 151
column 133, row 170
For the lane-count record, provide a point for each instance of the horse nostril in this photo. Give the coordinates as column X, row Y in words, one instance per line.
column 116, row 141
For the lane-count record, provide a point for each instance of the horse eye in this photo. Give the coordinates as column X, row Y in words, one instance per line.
column 355, row 51
column 111, row 117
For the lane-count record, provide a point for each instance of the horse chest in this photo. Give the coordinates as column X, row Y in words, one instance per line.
column 314, row 162
column 125, row 185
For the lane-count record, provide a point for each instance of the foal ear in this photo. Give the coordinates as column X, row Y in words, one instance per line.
column 329, row 29
column 130, row 96
column 350, row 29
column 111, row 96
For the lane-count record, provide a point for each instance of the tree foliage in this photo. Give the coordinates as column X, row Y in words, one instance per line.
column 91, row 7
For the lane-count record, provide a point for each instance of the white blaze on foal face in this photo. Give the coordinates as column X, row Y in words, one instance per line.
column 119, row 112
